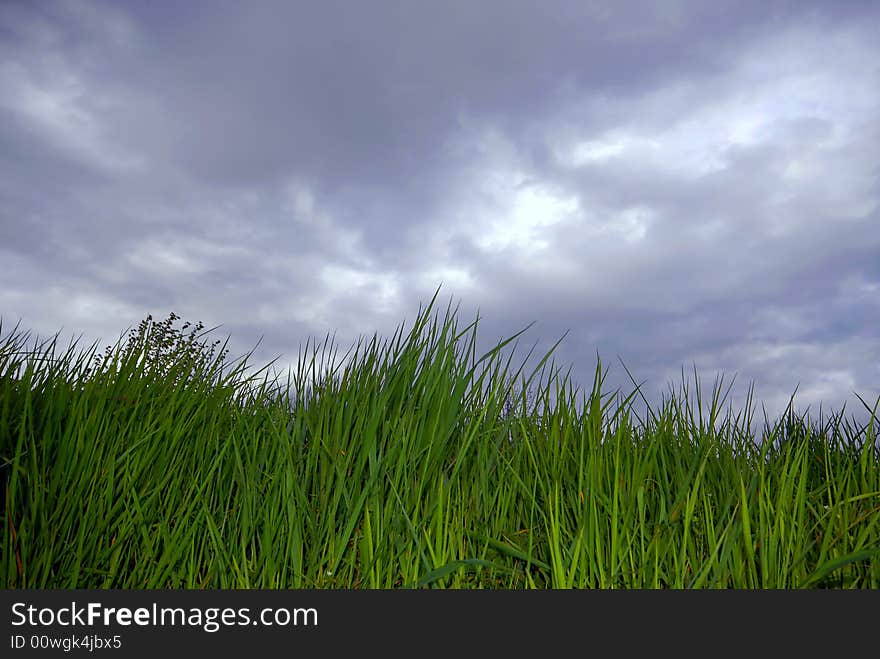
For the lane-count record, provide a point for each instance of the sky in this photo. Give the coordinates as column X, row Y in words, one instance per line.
column 671, row 186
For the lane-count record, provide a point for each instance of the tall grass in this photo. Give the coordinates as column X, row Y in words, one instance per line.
column 411, row 463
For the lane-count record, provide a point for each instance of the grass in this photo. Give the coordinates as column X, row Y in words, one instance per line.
column 413, row 463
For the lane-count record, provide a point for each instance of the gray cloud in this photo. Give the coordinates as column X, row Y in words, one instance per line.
column 674, row 184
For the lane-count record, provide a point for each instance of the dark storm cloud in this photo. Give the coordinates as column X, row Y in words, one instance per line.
column 673, row 183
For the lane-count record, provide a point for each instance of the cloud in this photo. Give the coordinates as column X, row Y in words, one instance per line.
column 675, row 184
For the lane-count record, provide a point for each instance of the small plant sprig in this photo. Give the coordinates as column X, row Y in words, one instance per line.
column 160, row 351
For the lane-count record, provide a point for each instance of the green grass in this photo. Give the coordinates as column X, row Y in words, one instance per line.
column 412, row 463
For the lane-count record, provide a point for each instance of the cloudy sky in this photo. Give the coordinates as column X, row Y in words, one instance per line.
column 676, row 184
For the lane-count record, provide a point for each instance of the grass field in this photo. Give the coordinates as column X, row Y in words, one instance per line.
column 413, row 463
